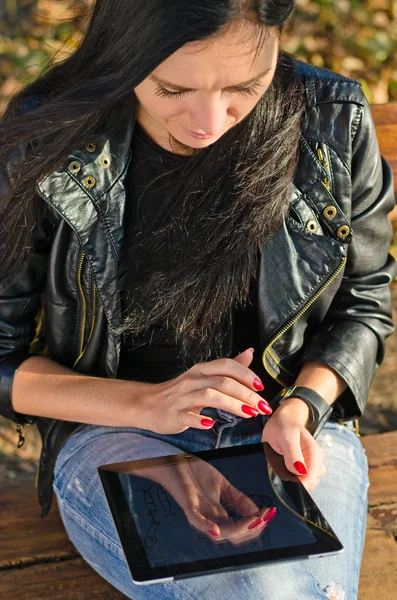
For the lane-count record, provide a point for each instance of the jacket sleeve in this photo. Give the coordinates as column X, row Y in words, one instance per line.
column 351, row 339
column 20, row 301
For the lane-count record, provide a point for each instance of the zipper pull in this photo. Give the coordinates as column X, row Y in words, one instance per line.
column 21, row 440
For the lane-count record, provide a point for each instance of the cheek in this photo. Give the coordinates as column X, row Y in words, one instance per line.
column 239, row 108
column 246, row 105
column 159, row 108
column 166, row 109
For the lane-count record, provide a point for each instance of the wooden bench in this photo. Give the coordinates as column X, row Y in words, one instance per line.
column 37, row 559
column 385, row 118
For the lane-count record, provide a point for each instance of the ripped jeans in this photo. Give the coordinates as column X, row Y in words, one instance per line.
column 341, row 495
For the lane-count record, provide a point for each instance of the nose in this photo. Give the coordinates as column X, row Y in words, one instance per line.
column 209, row 115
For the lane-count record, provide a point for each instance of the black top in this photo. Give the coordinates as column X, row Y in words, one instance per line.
column 154, row 357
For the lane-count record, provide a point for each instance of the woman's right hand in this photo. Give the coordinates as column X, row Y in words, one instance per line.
column 173, row 406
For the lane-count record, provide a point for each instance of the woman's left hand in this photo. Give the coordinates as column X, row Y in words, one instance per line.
column 286, row 433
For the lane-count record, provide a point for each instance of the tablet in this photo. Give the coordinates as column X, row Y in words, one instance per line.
column 186, row 515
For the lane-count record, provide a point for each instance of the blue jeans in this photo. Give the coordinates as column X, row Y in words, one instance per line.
column 341, row 495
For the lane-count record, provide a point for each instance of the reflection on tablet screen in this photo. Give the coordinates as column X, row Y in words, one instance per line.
column 159, row 509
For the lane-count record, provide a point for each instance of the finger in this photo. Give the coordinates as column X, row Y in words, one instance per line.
column 234, row 389
column 245, row 357
column 225, row 394
column 227, row 367
column 197, row 421
column 313, row 454
column 290, row 445
column 310, row 484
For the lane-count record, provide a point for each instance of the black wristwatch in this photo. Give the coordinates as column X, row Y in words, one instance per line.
column 320, row 410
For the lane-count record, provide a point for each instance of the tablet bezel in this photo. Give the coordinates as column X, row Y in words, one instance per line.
column 143, row 573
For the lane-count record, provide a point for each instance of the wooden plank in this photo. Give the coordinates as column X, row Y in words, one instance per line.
column 381, row 452
column 381, row 449
column 384, row 114
column 383, row 486
column 378, row 577
column 25, row 537
column 385, row 119
column 57, row 580
column 383, row 516
column 51, row 566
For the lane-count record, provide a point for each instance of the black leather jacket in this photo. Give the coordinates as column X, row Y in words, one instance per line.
column 323, row 283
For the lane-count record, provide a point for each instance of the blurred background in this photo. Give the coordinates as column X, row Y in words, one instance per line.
column 357, row 38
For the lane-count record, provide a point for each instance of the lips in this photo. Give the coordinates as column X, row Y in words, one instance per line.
column 197, row 135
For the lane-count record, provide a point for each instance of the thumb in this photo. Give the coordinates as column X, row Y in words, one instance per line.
column 292, row 452
column 245, row 358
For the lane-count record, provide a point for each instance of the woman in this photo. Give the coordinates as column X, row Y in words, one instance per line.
column 187, row 191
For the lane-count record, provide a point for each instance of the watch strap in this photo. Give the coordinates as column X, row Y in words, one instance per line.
column 320, row 410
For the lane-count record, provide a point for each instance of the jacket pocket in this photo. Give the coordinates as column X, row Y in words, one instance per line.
column 87, row 309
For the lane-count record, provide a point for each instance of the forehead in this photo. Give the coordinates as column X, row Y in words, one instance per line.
column 229, row 59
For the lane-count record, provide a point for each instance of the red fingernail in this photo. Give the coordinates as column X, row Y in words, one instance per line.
column 207, row 422
column 258, row 385
column 255, row 524
column 300, row 467
column 264, row 407
column 213, row 532
column 272, row 513
column 248, row 410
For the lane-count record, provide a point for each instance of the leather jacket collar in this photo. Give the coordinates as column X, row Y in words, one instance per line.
column 82, row 193
column 313, row 303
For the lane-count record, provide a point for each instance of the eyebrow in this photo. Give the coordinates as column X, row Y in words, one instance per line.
column 168, row 84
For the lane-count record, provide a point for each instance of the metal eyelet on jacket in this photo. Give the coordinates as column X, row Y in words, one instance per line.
column 343, row 231
column 89, row 181
column 330, row 212
column 74, row 167
column 312, row 226
column 91, row 147
column 105, row 162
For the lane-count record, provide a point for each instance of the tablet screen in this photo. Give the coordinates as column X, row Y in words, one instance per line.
column 161, row 509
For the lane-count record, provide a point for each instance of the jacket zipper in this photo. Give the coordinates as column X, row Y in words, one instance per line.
column 19, row 430
column 277, row 336
column 83, row 347
column 268, row 349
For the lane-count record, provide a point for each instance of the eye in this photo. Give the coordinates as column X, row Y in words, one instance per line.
column 250, row 91
column 164, row 93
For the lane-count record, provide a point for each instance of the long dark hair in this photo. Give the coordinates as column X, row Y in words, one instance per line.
column 227, row 200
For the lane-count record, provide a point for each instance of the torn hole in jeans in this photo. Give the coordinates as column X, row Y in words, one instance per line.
column 335, row 592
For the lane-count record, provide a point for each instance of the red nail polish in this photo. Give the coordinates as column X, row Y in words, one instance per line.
column 207, row 422
column 272, row 513
column 300, row 467
column 213, row 532
column 264, row 407
column 255, row 524
column 248, row 410
column 258, row 385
